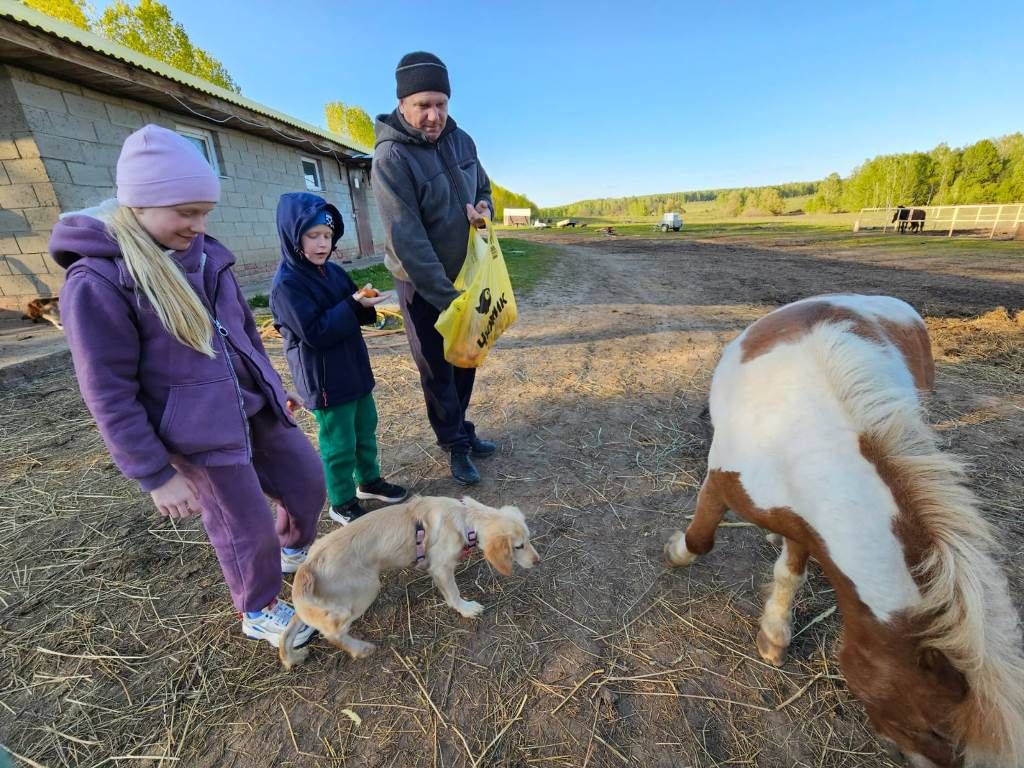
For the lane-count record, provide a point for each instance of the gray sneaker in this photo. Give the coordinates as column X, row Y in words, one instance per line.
column 271, row 624
column 290, row 561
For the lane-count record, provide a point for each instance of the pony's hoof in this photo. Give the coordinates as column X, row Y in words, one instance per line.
column 676, row 553
column 770, row 652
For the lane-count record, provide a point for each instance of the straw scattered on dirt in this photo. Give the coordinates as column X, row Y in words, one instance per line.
column 118, row 644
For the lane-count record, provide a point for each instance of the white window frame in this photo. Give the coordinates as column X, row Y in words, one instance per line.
column 192, row 132
column 319, row 173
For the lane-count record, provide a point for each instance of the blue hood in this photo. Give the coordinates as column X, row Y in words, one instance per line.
column 295, row 212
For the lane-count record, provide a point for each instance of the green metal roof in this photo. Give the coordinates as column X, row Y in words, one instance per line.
column 32, row 18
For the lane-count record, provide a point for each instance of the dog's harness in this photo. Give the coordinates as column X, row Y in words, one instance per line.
column 421, row 545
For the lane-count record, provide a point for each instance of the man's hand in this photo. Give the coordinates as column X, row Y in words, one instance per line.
column 478, row 216
column 176, row 498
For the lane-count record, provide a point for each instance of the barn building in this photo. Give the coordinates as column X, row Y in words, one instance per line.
column 69, row 98
column 516, row 217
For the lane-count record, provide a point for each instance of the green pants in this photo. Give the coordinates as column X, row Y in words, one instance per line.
column 348, row 447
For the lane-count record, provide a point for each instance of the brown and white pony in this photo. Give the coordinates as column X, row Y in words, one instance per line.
column 820, row 438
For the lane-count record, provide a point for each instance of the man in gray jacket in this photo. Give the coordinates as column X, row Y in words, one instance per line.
column 430, row 187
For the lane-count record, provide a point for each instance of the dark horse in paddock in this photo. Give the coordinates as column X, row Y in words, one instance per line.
column 913, row 216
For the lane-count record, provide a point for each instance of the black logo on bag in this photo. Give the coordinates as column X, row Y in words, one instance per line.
column 499, row 305
column 485, row 302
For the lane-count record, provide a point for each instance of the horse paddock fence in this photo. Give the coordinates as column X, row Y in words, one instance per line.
column 988, row 219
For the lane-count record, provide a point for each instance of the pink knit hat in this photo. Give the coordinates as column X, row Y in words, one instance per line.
column 157, row 167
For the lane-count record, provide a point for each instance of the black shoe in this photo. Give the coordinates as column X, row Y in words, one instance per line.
column 382, row 491
column 347, row 512
column 462, row 468
column 482, row 448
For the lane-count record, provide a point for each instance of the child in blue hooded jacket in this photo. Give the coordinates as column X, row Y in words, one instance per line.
column 318, row 309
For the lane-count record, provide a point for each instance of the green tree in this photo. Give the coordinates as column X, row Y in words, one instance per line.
column 70, row 11
column 350, row 121
column 149, row 28
column 732, row 202
column 829, row 196
column 1011, row 185
column 980, row 169
column 945, row 166
column 768, row 200
column 503, row 198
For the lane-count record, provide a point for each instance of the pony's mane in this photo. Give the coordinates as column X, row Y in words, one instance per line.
column 965, row 605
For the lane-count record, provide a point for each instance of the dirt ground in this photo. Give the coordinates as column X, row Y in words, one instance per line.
column 118, row 645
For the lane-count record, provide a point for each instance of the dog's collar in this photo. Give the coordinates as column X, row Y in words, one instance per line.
column 470, row 544
column 421, row 545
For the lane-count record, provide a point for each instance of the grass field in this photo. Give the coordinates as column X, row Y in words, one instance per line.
column 528, row 262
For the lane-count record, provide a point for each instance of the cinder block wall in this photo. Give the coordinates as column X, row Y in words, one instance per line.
column 59, row 144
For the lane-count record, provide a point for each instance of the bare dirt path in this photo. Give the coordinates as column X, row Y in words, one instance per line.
column 597, row 657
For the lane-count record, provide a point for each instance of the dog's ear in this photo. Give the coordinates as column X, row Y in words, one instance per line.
column 498, row 552
column 514, row 511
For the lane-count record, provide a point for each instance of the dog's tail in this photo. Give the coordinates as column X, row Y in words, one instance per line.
column 290, row 655
column 302, row 590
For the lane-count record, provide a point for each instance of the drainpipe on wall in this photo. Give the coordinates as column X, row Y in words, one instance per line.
column 352, row 200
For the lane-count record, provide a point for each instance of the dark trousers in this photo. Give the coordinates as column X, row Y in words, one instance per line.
column 446, row 389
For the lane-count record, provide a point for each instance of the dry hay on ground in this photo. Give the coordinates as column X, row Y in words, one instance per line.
column 118, row 644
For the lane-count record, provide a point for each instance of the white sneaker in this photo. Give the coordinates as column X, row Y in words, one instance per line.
column 271, row 624
column 290, row 562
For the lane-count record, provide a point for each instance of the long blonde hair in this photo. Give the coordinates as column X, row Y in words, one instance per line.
column 162, row 282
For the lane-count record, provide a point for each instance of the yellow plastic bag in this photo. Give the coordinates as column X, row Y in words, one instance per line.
column 486, row 307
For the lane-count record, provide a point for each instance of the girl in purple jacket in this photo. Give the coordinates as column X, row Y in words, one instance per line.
column 172, row 367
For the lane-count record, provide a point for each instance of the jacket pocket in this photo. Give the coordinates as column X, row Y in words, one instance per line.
column 204, row 417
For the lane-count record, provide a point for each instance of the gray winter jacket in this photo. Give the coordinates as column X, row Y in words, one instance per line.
column 422, row 189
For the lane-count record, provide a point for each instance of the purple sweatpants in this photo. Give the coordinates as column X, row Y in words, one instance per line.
column 238, row 519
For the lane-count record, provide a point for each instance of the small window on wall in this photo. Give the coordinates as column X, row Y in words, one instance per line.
column 203, row 141
column 311, row 172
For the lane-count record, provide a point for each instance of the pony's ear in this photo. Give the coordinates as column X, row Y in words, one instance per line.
column 498, row 552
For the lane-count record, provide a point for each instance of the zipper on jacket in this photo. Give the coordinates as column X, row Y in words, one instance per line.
column 323, row 368
column 224, row 334
column 448, row 170
column 323, row 359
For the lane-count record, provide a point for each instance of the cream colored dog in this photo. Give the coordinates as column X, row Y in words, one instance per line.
column 341, row 577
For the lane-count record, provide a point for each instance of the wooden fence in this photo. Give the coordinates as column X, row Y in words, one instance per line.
column 1005, row 219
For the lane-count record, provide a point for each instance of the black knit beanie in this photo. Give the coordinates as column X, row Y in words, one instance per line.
column 421, row 71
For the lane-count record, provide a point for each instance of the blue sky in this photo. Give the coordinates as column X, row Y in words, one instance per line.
column 573, row 100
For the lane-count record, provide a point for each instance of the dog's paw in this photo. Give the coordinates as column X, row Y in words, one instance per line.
column 360, row 649
column 470, row 609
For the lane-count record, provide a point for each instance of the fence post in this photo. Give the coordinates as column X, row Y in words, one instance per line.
column 952, row 222
column 1016, row 220
column 995, row 223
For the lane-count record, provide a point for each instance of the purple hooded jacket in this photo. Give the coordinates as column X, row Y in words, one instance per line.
column 152, row 396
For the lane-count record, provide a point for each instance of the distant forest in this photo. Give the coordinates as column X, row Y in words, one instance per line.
column 988, row 171
column 504, row 199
